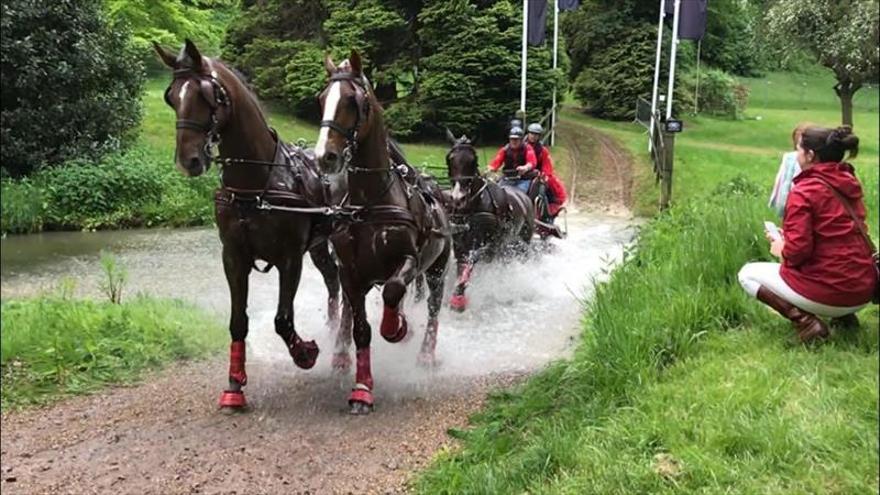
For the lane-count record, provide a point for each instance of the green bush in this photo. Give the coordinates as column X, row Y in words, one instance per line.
column 71, row 83
column 719, row 93
column 138, row 187
column 104, row 193
column 22, row 207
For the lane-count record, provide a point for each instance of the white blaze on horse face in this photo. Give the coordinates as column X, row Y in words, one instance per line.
column 457, row 193
column 330, row 106
column 182, row 94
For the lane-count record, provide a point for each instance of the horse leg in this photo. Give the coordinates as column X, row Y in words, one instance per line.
column 237, row 271
column 303, row 353
column 394, row 326
column 458, row 301
column 435, row 275
column 325, row 264
column 341, row 358
column 361, row 399
column 420, row 287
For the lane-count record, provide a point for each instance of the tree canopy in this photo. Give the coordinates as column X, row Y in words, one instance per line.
column 433, row 63
column 841, row 35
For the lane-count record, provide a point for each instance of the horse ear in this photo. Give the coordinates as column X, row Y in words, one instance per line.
column 450, row 136
column 165, row 56
column 328, row 64
column 355, row 61
column 193, row 53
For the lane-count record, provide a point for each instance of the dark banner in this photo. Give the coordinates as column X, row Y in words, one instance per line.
column 692, row 18
column 537, row 21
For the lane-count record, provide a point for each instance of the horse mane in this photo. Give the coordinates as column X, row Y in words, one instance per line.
column 397, row 155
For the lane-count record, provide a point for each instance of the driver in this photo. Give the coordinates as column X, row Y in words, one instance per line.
column 516, row 160
column 555, row 191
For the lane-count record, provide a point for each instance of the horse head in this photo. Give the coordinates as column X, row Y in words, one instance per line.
column 350, row 113
column 201, row 102
column 462, row 168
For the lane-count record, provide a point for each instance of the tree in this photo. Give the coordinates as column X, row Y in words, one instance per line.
column 840, row 34
column 470, row 66
column 171, row 21
column 432, row 63
column 71, row 83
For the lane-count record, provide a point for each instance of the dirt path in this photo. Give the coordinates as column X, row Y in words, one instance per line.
column 168, row 437
column 603, row 179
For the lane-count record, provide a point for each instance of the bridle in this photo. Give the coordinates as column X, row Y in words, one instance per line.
column 213, row 92
column 469, row 178
column 351, row 134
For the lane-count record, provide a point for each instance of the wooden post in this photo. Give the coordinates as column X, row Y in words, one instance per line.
column 666, row 172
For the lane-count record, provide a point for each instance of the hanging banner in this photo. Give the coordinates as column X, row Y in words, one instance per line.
column 692, row 18
column 537, row 21
column 568, row 5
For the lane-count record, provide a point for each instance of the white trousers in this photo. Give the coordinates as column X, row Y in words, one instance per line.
column 754, row 275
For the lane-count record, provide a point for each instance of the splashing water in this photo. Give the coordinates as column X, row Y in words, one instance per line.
column 522, row 314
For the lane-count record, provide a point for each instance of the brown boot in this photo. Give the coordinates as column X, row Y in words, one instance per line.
column 808, row 326
column 845, row 322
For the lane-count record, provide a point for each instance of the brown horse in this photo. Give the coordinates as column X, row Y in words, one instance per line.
column 490, row 220
column 392, row 230
column 260, row 174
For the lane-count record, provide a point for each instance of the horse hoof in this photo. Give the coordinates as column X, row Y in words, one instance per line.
column 458, row 303
column 360, row 401
column 359, row 408
column 341, row 362
column 394, row 327
column 427, row 360
column 305, row 354
column 233, row 400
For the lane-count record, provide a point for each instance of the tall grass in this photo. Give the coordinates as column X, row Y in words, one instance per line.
column 54, row 345
column 656, row 337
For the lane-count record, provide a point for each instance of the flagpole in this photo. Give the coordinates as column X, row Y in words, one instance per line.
column 555, row 60
column 656, row 74
column 525, row 34
column 673, row 50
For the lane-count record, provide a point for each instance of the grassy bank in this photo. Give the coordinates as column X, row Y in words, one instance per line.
column 681, row 383
column 54, row 346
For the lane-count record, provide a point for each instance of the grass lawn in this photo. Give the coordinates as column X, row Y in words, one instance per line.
column 681, row 383
column 54, row 346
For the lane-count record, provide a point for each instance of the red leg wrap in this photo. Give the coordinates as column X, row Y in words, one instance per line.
column 458, row 302
column 232, row 399
column 393, row 328
column 236, row 362
column 364, row 374
column 361, row 395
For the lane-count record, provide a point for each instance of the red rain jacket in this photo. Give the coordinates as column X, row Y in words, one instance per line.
column 545, row 166
column 825, row 258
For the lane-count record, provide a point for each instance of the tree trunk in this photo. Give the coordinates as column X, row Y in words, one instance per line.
column 845, row 90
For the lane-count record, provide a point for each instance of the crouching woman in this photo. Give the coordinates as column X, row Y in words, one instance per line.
column 826, row 264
